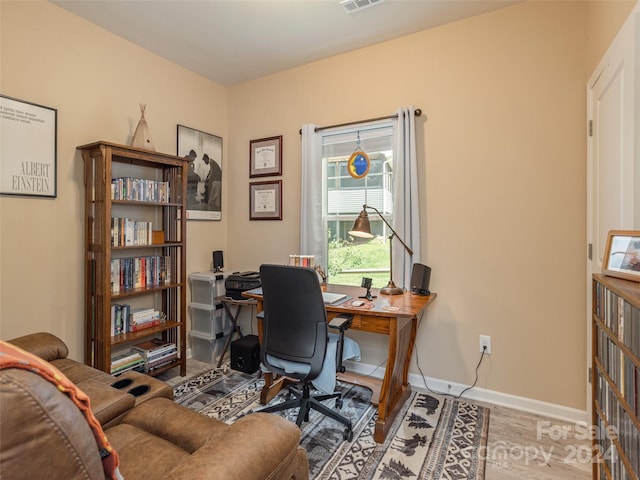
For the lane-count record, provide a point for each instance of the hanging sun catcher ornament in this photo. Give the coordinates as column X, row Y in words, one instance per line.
column 358, row 163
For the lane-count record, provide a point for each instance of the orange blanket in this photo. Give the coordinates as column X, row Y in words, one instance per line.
column 14, row 357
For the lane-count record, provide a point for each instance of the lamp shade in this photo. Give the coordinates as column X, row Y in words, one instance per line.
column 361, row 227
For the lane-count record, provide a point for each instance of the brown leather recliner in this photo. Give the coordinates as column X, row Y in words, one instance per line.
column 44, row 435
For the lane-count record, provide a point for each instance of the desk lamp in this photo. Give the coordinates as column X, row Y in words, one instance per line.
column 362, row 228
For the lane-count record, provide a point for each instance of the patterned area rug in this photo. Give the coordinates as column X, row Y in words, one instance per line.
column 432, row 438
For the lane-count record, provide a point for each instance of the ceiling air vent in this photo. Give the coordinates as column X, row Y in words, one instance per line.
column 351, row 6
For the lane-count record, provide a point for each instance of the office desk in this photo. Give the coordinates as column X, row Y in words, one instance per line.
column 393, row 315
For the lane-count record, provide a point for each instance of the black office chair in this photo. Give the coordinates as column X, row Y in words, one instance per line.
column 295, row 330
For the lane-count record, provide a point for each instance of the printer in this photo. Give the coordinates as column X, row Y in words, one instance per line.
column 239, row 282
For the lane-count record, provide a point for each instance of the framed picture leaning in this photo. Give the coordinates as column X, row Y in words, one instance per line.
column 622, row 255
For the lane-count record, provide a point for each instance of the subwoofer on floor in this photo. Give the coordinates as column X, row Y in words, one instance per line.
column 245, row 354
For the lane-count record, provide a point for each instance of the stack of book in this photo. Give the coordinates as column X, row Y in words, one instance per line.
column 126, row 361
column 142, row 318
column 156, row 353
column 302, row 260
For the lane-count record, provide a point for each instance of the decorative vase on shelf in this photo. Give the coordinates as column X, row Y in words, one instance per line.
column 142, row 137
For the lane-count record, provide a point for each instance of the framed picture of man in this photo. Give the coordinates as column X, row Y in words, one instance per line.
column 204, row 181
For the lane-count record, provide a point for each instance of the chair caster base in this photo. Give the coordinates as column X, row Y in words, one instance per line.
column 347, row 435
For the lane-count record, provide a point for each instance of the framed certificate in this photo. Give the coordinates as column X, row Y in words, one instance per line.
column 265, row 200
column 265, row 157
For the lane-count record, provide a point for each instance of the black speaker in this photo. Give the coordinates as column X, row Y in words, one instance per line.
column 218, row 262
column 245, row 354
column 420, row 277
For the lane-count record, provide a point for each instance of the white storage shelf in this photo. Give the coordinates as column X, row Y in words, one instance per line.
column 206, row 286
column 206, row 349
column 208, row 320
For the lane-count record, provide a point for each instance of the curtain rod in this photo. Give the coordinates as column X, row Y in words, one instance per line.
column 417, row 112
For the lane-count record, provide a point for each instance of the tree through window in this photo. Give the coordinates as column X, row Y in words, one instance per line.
column 350, row 258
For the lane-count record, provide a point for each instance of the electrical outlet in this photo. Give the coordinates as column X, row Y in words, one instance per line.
column 485, row 341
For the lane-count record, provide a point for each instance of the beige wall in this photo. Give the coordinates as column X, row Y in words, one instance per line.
column 96, row 81
column 502, row 177
column 502, row 173
column 604, row 19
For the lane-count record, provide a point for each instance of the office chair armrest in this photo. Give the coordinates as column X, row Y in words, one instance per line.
column 341, row 322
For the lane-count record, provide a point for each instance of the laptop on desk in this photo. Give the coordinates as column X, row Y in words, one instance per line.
column 333, row 298
column 329, row 298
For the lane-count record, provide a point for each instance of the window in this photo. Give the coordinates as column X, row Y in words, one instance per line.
column 350, row 258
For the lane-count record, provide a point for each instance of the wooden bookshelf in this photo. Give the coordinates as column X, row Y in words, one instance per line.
column 153, row 192
column 615, row 378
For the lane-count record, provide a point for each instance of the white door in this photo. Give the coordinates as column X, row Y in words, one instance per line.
column 613, row 171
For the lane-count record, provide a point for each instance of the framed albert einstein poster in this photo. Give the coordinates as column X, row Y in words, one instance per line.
column 28, row 148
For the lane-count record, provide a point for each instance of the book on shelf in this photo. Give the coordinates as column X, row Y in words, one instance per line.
column 136, row 327
column 154, row 348
column 143, row 314
column 124, row 319
column 144, row 318
column 139, row 189
column 161, row 361
column 126, row 232
column 126, row 361
column 124, row 358
column 139, row 272
column 137, row 367
column 156, row 353
column 119, row 318
column 302, row 260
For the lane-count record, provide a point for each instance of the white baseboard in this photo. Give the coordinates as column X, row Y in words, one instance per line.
column 524, row 404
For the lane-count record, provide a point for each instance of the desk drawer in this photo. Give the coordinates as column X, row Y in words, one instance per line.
column 367, row 323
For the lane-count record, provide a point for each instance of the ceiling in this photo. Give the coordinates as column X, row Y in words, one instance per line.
column 234, row 41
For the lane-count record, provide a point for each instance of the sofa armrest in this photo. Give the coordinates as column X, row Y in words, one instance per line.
column 258, row 446
column 43, row 344
column 166, row 419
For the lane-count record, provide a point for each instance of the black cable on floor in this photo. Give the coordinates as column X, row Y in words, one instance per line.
column 424, row 380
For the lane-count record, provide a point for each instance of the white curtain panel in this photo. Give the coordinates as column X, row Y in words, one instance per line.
column 311, row 224
column 406, row 203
